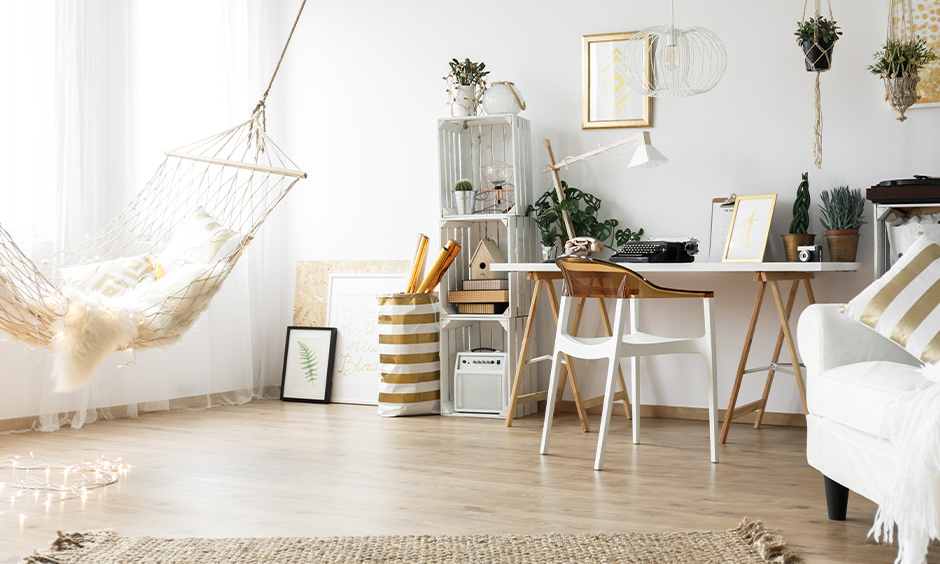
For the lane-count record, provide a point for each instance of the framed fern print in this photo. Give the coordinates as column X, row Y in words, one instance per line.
column 308, row 364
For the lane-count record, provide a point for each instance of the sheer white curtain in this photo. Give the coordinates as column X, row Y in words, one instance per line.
column 98, row 89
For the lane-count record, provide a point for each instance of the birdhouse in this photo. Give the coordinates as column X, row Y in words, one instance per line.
column 486, row 254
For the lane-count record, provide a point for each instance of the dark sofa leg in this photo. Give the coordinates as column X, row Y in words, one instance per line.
column 837, row 499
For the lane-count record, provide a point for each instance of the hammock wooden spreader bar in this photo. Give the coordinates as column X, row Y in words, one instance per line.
column 223, row 162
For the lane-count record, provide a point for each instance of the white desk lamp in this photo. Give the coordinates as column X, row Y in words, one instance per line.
column 645, row 156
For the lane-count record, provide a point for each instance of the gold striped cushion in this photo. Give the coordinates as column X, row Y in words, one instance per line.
column 109, row 278
column 902, row 304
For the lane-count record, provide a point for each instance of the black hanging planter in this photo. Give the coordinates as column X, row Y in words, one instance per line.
column 817, row 55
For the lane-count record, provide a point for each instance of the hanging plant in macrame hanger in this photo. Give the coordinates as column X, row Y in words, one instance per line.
column 817, row 37
column 900, row 60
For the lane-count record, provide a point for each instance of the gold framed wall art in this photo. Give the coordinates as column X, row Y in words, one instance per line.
column 606, row 100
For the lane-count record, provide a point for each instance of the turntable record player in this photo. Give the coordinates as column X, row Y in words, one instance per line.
column 917, row 190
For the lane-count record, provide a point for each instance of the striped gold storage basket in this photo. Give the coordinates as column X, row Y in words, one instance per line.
column 409, row 354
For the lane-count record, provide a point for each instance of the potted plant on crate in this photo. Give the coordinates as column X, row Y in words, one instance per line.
column 842, row 216
column 463, row 197
column 798, row 237
column 817, row 36
column 898, row 63
column 466, row 84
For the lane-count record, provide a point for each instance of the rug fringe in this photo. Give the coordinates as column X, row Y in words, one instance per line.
column 771, row 546
column 66, row 542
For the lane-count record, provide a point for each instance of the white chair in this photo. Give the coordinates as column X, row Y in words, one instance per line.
column 591, row 278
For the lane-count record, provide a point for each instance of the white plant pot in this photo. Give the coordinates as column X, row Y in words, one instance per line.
column 463, row 104
column 548, row 253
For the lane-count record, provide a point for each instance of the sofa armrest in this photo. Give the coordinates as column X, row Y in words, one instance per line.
column 828, row 338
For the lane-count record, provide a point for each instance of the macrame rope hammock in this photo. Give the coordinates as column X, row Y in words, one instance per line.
column 144, row 279
column 818, row 58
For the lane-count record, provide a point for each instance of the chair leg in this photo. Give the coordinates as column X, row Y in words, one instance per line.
column 635, row 373
column 635, row 396
column 552, row 395
column 712, row 367
column 612, row 365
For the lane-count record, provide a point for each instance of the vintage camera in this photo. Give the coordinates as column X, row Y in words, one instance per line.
column 809, row 253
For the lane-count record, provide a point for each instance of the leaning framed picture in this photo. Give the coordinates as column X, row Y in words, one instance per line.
column 750, row 225
column 308, row 364
column 606, row 100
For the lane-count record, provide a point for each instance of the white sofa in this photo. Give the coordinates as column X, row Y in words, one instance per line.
column 852, row 373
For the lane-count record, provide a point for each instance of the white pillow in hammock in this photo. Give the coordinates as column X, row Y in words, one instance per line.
column 111, row 277
column 201, row 240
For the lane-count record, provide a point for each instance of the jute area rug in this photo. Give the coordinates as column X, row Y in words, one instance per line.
column 748, row 543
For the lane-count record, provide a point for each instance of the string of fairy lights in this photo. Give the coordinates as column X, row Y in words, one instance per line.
column 31, row 479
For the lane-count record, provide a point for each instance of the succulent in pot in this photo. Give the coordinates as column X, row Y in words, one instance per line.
column 843, row 211
column 798, row 236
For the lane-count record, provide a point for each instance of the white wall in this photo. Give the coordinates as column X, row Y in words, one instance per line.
column 361, row 90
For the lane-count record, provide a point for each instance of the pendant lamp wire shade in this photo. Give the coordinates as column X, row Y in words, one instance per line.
column 671, row 60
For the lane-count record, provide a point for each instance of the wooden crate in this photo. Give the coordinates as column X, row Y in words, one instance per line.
column 514, row 235
column 466, row 144
column 461, row 335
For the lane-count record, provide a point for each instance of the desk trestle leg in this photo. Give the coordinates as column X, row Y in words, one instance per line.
column 784, row 335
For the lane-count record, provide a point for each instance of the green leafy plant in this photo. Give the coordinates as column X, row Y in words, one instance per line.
column 842, row 208
column 308, row 362
column 818, row 30
column 463, row 186
column 800, row 222
column 466, row 73
column 583, row 208
column 902, row 58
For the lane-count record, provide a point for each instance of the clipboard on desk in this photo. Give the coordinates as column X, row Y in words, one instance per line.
column 722, row 213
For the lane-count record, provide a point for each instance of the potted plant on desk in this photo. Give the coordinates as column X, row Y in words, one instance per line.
column 843, row 210
column 798, row 237
column 582, row 208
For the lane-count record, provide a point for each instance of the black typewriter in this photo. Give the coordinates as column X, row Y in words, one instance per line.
column 657, row 251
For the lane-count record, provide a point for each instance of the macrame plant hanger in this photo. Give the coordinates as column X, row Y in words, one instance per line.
column 237, row 177
column 817, row 60
column 900, row 84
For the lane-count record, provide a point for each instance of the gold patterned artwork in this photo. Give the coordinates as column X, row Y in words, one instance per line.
column 616, row 91
column 927, row 26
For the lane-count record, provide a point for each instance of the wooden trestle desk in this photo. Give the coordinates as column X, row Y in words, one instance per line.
column 765, row 273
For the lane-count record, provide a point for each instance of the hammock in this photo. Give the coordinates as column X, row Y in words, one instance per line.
column 144, row 279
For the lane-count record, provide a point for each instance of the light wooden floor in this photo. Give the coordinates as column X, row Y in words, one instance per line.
column 285, row 469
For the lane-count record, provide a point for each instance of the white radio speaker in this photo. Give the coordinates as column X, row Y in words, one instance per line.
column 480, row 382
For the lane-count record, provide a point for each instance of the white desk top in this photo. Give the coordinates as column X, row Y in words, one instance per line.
column 696, row 266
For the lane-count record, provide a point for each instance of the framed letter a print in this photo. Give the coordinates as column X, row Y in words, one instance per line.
column 750, row 226
column 308, row 364
column 606, row 101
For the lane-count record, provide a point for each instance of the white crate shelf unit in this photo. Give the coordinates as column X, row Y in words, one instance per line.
column 481, row 149
column 475, row 148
